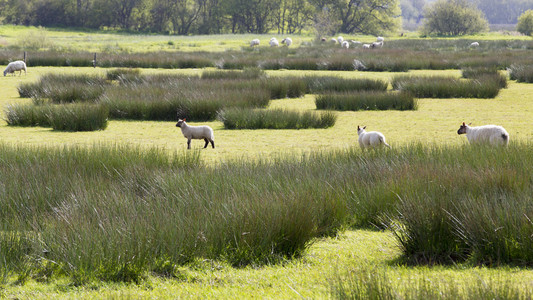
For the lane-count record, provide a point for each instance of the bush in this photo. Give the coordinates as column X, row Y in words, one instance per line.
column 521, row 73
column 78, row 117
column 366, row 101
column 447, row 87
column 525, row 23
column 239, row 118
column 452, row 18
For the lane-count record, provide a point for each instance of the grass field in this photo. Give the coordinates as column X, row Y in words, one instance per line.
column 332, row 267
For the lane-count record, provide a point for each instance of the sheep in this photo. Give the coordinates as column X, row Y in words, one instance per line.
column 345, row 45
column 487, row 134
column 377, row 44
column 474, row 45
column 287, row 41
column 254, row 42
column 372, row 139
column 323, row 39
column 273, row 42
column 355, row 43
column 340, row 39
column 333, row 40
column 197, row 133
column 380, row 39
column 18, row 65
column 366, row 46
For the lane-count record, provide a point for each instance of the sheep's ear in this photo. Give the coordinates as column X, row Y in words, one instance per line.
column 463, row 123
column 364, row 127
column 184, row 119
column 358, row 127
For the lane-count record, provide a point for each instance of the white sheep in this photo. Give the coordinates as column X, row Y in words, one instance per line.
column 196, row 132
column 254, row 42
column 345, row 45
column 334, row 40
column 12, row 67
column 273, row 42
column 377, row 44
column 380, row 39
column 366, row 46
column 474, row 45
column 372, row 139
column 287, row 41
column 340, row 39
column 487, row 134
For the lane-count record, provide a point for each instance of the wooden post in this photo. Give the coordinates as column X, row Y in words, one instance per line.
column 94, row 60
column 24, row 56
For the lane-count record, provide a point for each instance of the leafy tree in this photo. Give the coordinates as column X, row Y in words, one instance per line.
column 454, row 17
column 368, row 16
column 525, row 23
column 413, row 9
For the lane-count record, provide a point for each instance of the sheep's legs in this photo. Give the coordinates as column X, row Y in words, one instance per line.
column 213, row 144
column 189, row 144
column 206, row 143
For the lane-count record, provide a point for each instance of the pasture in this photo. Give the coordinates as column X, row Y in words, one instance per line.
column 330, row 221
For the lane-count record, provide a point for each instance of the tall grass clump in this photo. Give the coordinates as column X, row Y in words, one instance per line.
column 79, row 117
column 521, row 73
column 239, row 118
column 65, row 88
column 28, row 115
column 337, row 84
column 486, row 73
column 366, row 101
column 123, row 74
column 447, row 87
column 290, row 87
column 246, row 73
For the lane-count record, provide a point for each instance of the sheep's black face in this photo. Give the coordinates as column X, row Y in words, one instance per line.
column 179, row 123
column 462, row 129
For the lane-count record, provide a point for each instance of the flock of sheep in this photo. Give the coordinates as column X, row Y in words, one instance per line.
column 487, row 134
column 340, row 40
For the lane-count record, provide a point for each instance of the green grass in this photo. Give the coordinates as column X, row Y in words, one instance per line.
column 366, row 101
column 238, row 118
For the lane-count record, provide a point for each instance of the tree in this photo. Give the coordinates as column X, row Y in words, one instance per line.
column 525, row 23
column 413, row 10
column 454, row 17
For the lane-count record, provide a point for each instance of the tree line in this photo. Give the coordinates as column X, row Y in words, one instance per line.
column 208, row 16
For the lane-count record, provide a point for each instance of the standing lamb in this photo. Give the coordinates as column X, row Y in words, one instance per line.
column 254, row 42
column 287, row 41
column 372, row 139
column 488, row 134
column 345, row 45
column 196, row 132
column 12, row 67
column 377, row 44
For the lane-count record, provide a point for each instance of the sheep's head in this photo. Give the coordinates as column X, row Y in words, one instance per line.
column 360, row 130
column 180, row 122
column 462, row 129
column 5, row 72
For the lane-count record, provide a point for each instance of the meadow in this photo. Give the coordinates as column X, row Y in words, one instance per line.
column 126, row 211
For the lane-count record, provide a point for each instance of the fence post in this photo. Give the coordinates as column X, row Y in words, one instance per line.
column 24, row 56
column 94, row 60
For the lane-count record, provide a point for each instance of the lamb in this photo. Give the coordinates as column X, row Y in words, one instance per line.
column 474, row 45
column 366, row 46
column 380, row 39
column 197, row 133
column 273, row 42
column 372, row 139
column 12, row 67
column 345, row 45
column 377, row 44
column 487, row 134
column 340, row 39
column 287, row 41
column 254, row 42
column 334, row 40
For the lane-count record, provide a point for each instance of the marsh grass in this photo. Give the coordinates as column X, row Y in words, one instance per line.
column 123, row 74
column 366, row 101
column 335, row 84
column 521, row 73
column 247, row 73
column 79, row 117
column 27, row 115
column 448, row 87
column 275, row 119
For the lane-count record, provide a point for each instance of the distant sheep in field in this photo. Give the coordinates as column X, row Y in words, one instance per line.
column 340, row 39
column 474, row 45
column 274, row 42
column 345, row 45
column 254, row 42
column 322, row 39
column 366, row 46
column 12, row 67
column 372, row 139
column 197, row 133
column 380, row 39
column 333, row 40
column 287, row 41
column 377, row 44
column 355, row 43
column 487, row 134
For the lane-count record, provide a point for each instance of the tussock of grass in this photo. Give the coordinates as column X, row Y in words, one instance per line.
column 521, row 73
column 366, row 101
column 336, row 84
column 275, row 119
column 123, row 74
column 448, row 87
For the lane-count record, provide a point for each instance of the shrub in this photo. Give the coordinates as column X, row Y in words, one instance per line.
column 447, row 87
column 78, row 117
column 521, row 73
column 456, row 17
column 525, row 23
column 239, row 118
column 366, row 101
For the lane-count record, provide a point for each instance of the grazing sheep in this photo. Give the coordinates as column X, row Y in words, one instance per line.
column 254, row 42
column 377, row 44
column 487, row 134
column 287, row 41
column 345, row 45
column 197, row 133
column 474, row 45
column 333, row 40
column 323, row 39
column 273, row 42
column 380, row 39
column 372, row 139
column 366, row 46
column 340, row 39
column 12, row 67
